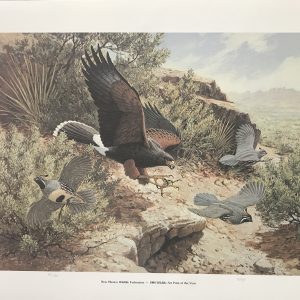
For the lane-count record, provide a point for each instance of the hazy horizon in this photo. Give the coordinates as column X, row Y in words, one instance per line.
column 239, row 62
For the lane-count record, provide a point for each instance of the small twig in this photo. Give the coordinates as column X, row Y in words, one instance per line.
column 60, row 212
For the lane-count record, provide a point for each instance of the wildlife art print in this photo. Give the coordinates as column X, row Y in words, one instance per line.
column 150, row 152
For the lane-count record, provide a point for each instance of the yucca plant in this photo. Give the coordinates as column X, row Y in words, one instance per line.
column 26, row 93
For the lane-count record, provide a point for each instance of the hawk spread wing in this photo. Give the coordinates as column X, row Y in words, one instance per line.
column 75, row 171
column 121, row 117
column 159, row 128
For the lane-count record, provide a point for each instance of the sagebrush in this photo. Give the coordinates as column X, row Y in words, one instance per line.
column 282, row 180
column 26, row 155
column 204, row 137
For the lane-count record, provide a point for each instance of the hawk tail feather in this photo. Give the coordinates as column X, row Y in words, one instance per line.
column 81, row 133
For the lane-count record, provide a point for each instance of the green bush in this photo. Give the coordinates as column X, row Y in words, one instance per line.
column 282, row 181
column 204, row 137
column 136, row 55
column 24, row 155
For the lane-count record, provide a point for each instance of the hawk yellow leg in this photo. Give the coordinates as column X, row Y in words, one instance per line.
column 164, row 184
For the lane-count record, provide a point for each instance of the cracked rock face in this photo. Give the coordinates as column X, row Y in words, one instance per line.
column 156, row 236
column 145, row 223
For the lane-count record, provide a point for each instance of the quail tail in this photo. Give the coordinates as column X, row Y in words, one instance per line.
column 228, row 160
column 89, row 198
column 204, row 199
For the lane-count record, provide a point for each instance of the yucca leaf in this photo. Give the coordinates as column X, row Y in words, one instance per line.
column 27, row 91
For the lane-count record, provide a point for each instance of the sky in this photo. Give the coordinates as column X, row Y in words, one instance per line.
column 238, row 62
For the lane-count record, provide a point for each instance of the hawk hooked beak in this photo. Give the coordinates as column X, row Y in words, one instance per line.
column 170, row 164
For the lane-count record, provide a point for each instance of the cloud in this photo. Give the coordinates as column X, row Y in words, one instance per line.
column 240, row 61
column 285, row 75
column 236, row 46
column 258, row 42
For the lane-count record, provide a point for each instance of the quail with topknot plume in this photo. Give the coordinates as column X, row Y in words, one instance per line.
column 232, row 210
column 63, row 192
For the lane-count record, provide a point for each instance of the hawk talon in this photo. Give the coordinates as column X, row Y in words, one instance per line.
column 166, row 182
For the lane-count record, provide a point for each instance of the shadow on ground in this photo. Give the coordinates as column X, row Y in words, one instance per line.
column 281, row 243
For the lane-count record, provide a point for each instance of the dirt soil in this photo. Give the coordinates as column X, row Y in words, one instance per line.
column 249, row 248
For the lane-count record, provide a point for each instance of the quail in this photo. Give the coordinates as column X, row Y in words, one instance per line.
column 232, row 210
column 245, row 152
column 62, row 192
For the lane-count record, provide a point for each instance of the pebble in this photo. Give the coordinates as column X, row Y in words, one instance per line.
column 181, row 269
column 264, row 266
column 196, row 259
column 123, row 268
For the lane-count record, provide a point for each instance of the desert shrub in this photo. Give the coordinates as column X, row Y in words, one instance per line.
column 27, row 93
column 282, row 181
column 24, row 155
column 136, row 55
column 204, row 137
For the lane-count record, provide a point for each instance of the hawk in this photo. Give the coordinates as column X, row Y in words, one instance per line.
column 134, row 135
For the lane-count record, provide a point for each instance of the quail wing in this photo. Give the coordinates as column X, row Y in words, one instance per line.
column 249, row 195
column 213, row 211
column 89, row 199
column 40, row 211
column 245, row 138
column 75, row 171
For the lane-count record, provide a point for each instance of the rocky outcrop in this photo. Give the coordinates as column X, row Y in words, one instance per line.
column 205, row 88
column 146, row 222
column 235, row 117
column 210, row 93
column 155, row 237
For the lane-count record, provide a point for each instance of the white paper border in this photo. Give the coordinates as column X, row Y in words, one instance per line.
column 152, row 16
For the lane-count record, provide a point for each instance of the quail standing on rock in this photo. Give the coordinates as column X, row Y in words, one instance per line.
column 232, row 210
column 63, row 192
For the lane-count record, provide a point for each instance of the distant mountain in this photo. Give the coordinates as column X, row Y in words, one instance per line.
column 275, row 102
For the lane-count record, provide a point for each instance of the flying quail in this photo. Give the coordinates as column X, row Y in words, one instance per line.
column 245, row 152
column 62, row 192
column 232, row 210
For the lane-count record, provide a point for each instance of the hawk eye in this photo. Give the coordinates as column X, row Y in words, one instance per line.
column 60, row 198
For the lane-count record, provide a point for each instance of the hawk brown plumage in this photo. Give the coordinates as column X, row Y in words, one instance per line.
column 132, row 134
